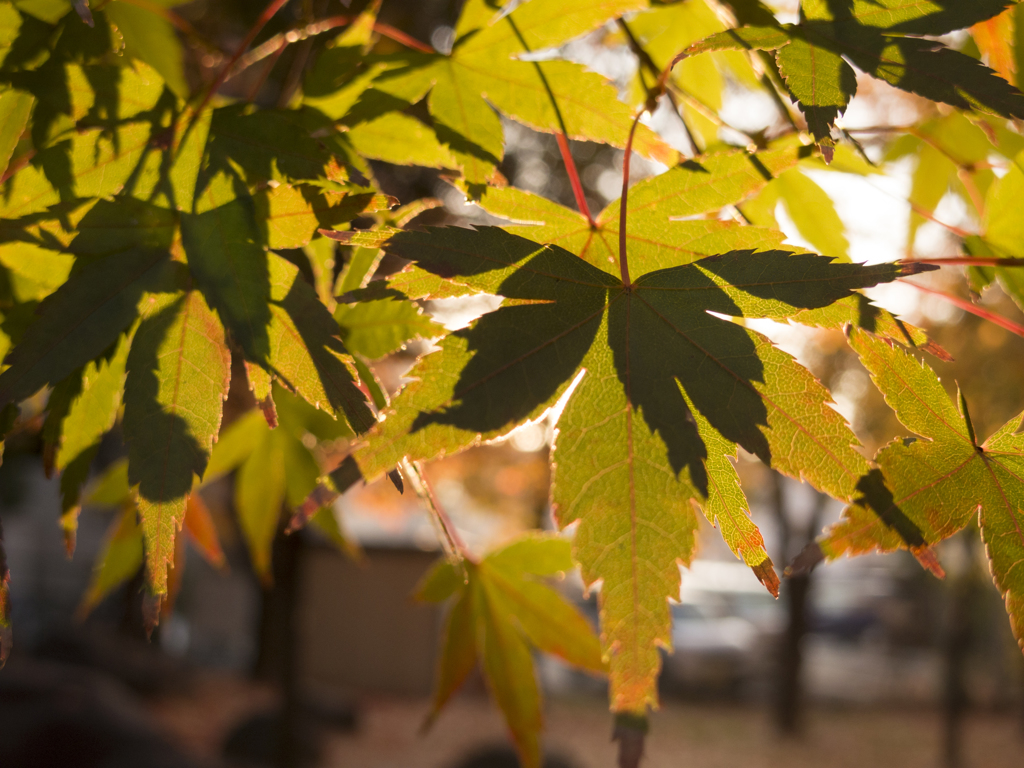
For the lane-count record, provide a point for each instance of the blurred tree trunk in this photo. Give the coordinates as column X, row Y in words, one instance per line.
column 963, row 594
column 796, row 590
column 277, row 657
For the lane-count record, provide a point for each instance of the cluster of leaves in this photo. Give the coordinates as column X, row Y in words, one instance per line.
column 149, row 238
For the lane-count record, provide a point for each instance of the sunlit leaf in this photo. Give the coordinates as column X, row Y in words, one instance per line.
column 628, row 454
column 377, row 328
column 178, row 374
column 925, row 490
column 82, row 318
column 501, row 610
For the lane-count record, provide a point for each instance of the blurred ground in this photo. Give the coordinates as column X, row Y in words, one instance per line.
column 682, row 734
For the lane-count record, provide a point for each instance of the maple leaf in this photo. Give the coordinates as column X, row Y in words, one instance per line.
column 179, row 369
column 652, row 370
column 1003, row 230
column 486, row 67
column 500, row 609
column 81, row 409
column 925, row 490
column 122, row 553
column 657, row 235
column 877, row 36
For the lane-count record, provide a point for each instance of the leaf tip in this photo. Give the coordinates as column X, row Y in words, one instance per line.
column 908, row 268
column 926, row 556
column 827, row 147
column 269, row 409
column 151, row 604
column 765, row 572
column 342, row 236
column 395, row 476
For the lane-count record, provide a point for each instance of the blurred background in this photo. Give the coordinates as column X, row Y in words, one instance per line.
column 862, row 662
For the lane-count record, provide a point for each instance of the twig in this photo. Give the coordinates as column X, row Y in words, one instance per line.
column 282, row 40
column 646, row 61
column 400, row 37
column 921, row 211
column 268, row 13
column 574, row 178
column 974, row 309
column 454, row 545
column 258, row 85
column 276, row 44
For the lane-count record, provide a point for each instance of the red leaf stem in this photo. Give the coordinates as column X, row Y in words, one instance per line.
column 421, row 486
column 623, row 261
column 400, row 37
column 574, row 178
column 277, row 43
column 222, row 75
column 974, row 309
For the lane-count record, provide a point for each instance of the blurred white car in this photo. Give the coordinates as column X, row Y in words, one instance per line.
column 721, row 629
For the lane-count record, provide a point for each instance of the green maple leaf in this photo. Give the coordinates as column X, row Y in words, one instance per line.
column 484, row 69
column 656, row 233
column 1003, row 230
column 925, row 490
column 377, row 328
column 92, row 401
column 877, row 36
column 123, row 550
column 82, row 318
column 179, row 368
column 100, row 130
column 17, row 107
column 500, row 609
column 662, row 394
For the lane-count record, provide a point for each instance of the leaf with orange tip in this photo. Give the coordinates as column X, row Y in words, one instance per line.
column 995, row 40
column 925, row 490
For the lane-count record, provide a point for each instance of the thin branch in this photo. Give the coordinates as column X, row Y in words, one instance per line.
column 294, row 77
column 646, row 61
column 268, row 13
column 881, row 129
column 277, row 43
column 925, row 214
column 400, row 37
column 974, row 309
column 267, row 69
column 574, row 178
column 454, row 545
